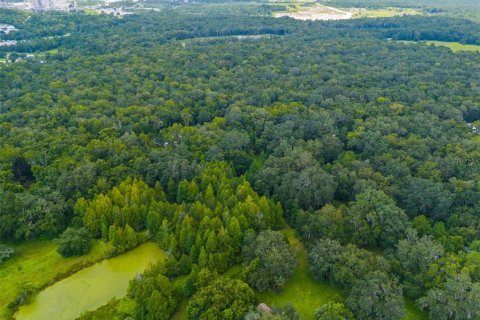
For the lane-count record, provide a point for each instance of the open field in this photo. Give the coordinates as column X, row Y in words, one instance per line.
column 454, row 46
column 302, row 291
column 37, row 264
column 382, row 13
column 413, row 312
column 316, row 12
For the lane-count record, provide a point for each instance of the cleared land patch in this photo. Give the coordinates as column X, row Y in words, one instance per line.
column 316, row 12
column 321, row 12
column 383, row 13
column 454, row 46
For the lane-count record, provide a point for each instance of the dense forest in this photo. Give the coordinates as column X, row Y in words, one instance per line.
column 210, row 134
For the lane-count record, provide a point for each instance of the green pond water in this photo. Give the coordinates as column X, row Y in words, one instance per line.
column 90, row 288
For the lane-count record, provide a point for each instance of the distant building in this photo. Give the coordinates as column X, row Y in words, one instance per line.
column 41, row 5
column 8, row 43
column 6, row 28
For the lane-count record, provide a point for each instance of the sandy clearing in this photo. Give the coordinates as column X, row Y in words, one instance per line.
column 317, row 12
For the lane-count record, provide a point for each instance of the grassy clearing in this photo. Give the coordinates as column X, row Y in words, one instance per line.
column 181, row 312
column 38, row 264
column 382, row 13
column 413, row 312
column 306, row 294
column 454, row 46
column 302, row 291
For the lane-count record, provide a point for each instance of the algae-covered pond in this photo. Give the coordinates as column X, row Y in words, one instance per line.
column 90, row 288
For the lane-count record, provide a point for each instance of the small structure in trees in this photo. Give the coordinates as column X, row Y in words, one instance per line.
column 264, row 308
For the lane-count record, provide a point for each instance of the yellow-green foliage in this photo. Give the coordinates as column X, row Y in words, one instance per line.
column 413, row 312
column 383, row 13
column 37, row 264
column 455, row 46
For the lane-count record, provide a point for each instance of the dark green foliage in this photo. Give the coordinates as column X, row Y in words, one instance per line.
column 142, row 127
column 270, row 261
column 377, row 296
column 423, row 196
column 342, row 265
column 154, row 294
column 456, row 299
column 310, row 188
column 74, row 242
column 222, row 299
column 329, row 222
column 415, row 256
column 22, row 171
column 29, row 215
column 375, row 220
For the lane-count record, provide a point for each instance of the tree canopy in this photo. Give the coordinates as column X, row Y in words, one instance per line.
column 209, row 131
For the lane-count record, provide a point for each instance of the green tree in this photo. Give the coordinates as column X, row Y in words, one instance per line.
column 155, row 296
column 271, row 261
column 333, row 311
column 74, row 242
column 376, row 220
column 223, row 299
column 415, row 255
column 329, row 222
column 376, row 296
column 457, row 299
column 342, row 265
